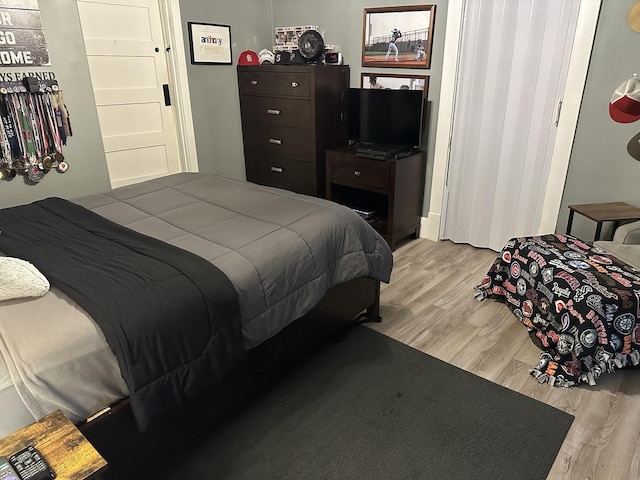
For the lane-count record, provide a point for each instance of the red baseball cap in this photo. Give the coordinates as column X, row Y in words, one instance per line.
column 249, row 57
column 624, row 106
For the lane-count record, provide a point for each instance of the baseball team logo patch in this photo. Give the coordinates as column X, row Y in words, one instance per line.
column 579, row 264
column 515, row 269
column 588, row 338
column 624, row 323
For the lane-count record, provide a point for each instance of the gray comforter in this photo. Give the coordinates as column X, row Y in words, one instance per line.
column 282, row 252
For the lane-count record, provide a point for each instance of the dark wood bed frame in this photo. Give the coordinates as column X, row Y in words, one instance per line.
column 114, row 432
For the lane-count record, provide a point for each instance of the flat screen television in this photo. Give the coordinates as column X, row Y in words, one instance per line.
column 384, row 117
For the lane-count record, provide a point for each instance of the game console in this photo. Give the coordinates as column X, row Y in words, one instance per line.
column 384, row 152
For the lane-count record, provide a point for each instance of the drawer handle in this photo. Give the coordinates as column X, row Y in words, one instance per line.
column 277, row 169
column 357, row 173
column 294, row 84
column 254, row 82
column 275, row 141
column 272, row 111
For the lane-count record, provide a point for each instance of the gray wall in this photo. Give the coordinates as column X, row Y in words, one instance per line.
column 340, row 23
column 84, row 151
column 214, row 88
column 600, row 169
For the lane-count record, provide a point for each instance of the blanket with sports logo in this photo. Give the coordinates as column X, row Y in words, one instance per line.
column 580, row 305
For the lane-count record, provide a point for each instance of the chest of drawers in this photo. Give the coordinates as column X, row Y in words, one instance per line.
column 290, row 116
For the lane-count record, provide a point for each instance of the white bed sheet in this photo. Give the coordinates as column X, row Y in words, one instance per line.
column 77, row 352
column 13, row 412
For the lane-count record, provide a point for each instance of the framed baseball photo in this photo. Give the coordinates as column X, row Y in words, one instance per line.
column 398, row 37
column 395, row 82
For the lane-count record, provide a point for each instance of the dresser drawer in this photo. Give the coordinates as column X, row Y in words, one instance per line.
column 359, row 173
column 278, row 142
column 292, row 84
column 283, row 112
column 281, row 172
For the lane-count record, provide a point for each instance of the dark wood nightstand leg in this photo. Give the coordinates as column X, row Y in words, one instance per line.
column 570, row 221
column 598, row 231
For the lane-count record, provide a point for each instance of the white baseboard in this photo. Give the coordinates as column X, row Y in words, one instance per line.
column 430, row 226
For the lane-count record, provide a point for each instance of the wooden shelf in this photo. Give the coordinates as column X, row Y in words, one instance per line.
column 67, row 451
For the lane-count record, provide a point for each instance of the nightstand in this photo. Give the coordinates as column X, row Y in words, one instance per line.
column 67, row 451
column 393, row 189
column 615, row 212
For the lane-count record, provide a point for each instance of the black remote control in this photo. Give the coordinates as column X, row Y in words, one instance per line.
column 30, row 465
column 6, row 470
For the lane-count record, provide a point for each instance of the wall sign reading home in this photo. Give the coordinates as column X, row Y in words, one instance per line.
column 22, row 41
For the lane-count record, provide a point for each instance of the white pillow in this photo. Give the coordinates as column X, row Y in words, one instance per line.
column 19, row 278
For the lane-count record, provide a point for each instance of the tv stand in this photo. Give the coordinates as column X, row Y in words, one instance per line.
column 384, row 152
column 389, row 192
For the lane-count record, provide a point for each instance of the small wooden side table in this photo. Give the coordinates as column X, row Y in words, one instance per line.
column 62, row 445
column 615, row 212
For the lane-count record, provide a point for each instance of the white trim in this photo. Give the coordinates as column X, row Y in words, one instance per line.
column 177, row 66
column 576, row 79
column 444, row 125
column 429, row 226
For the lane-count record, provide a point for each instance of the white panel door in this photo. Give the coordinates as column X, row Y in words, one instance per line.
column 514, row 56
column 126, row 55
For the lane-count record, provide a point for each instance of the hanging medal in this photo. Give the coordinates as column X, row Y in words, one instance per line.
column 9, row 130
column 55, row 102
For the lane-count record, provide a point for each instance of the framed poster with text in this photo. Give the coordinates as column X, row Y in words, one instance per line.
column 209, row 44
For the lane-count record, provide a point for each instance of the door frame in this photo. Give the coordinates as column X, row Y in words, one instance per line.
column 433, row 225
column 181, row 99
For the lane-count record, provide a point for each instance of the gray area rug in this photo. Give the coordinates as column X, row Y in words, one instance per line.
column 370, row 407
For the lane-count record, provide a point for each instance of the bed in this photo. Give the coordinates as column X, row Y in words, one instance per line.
column 579, row 304
column 299, row 266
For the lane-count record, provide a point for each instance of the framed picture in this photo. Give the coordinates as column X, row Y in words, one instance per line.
column 210, row 44
column 399, row 37
column 396, row 82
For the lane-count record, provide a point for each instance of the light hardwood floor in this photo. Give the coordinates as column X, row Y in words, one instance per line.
column 429, row 304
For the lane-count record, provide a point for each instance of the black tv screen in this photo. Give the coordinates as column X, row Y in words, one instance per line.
column 384, row 117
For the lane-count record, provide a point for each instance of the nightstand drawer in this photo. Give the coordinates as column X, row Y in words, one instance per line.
column 278, row 142
column 281, row 172
column 283, row 112
column 266, row 83
column 359, row 173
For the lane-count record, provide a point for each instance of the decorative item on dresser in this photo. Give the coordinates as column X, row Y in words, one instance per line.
column 388, row 193
column 290, row 116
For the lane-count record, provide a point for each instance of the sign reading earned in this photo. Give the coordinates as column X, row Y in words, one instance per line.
column 22, row 41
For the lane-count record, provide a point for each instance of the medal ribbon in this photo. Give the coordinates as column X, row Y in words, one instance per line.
column 9, row 132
